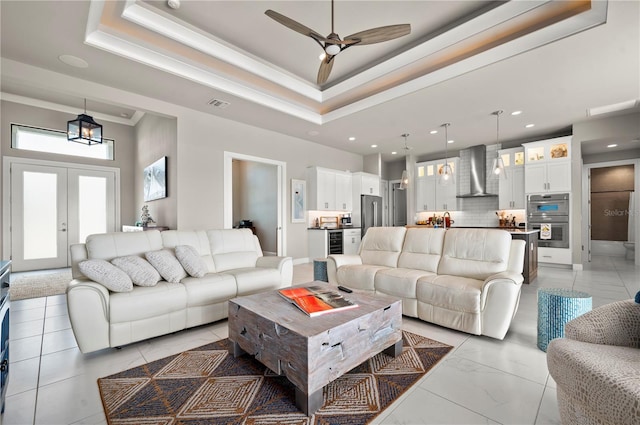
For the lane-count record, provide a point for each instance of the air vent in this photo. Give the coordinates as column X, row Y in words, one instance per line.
column 217, row 103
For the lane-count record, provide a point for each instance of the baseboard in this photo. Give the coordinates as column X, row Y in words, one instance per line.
column 297, row 261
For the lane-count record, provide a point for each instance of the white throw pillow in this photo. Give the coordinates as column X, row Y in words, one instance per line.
column 138, row 269
column 107, row 274
column 191, row 260
column 167, row 265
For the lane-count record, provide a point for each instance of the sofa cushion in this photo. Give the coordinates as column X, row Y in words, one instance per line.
column 107, row 246
column 195, row 238
column 233, row 248
column 422, row 249
column 106, row 274
column 255, row 279
column 167, row 265
column 475, row 253
column 138, row 269
column 210, row 289
column 381, row 246
column 358, row 276
column 399, row 282
column 146, row 302
column 450, row 292
column 191, row 260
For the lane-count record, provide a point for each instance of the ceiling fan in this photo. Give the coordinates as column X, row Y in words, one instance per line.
column 332, row 44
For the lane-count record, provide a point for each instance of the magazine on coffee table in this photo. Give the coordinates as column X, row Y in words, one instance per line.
column 316, row 300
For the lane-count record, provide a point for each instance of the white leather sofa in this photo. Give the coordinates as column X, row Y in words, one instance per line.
column 235, row 264
column 464, row 279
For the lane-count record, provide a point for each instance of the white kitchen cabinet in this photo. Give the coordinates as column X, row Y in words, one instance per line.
column 548, row 166
column 431, row 196
column 365, row 184
column 554, row 255
column 351, row 241
column 328, row 190
column 511, row 190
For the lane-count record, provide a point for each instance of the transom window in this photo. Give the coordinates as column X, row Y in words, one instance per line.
column 52, row 141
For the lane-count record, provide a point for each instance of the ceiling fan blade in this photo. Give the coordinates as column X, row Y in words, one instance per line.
column 378, row 35
column 325, row 69
column 296, row 26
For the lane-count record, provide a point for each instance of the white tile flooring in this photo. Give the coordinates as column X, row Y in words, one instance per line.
column 482, row 381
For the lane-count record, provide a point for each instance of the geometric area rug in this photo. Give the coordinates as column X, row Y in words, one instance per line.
column 207, row 385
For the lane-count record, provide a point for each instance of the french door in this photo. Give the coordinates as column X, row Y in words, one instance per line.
column 53, row 207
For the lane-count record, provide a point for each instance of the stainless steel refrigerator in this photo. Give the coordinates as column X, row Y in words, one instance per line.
column 370, row 211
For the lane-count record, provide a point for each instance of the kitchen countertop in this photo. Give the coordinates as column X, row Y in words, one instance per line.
column 332, row 228
column 512, row 230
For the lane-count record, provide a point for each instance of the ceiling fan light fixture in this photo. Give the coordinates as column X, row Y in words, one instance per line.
column 332, row 49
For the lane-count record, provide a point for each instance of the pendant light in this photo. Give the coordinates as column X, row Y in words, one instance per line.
column 446, row 176
column 404, row 180
column 498, row 163
column 84, row 129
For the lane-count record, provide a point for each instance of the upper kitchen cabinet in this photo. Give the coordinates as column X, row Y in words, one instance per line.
column 328, row 190
column 430, row 196
column 548, row 165
column 365, row 184
column 511, row 192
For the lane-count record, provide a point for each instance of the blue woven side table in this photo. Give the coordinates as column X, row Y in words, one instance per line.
column 320, row 270
column 557, row 306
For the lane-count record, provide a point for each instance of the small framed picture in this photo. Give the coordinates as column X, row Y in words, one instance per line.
column 298, row 200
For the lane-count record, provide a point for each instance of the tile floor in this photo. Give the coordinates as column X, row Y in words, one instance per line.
column 483, row 381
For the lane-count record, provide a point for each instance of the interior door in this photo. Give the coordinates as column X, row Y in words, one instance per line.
column 399, row 206
column 39, row 238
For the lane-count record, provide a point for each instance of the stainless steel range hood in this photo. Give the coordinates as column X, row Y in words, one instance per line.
column 478, row 171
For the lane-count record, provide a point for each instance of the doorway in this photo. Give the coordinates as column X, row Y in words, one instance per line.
column 48, row 206
column 609, row 192
column 256, row 187
column 398, row 204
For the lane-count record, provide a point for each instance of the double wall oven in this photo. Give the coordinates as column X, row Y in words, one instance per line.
column 550, row 215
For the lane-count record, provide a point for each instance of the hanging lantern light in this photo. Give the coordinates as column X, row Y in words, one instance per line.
column 404, row 179
column 84, row 129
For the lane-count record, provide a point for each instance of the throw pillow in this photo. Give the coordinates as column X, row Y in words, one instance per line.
column 167, row 265
column 138, row 269
column 107, row 274
column 191, row 260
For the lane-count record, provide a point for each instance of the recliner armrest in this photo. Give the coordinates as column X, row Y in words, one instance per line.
column 339, row 260
column 283, row 264
column 88, row 305
column 516, row 278
column 617, row 323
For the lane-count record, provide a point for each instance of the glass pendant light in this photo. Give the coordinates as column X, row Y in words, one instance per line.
column 446, row 175
column 498, row 164
column 404, row 180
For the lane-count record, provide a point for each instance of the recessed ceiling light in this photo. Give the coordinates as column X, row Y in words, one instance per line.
column 516, row 112
column 374, row 146
column 433, row 132
column 351, row 139
column 450, row 141
column 124, row 115
column 529, row 125
column 313, row 132
column 394, row 153
column 73, row 61
column 613, row 145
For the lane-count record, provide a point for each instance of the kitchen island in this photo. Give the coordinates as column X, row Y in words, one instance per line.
column 530, row 237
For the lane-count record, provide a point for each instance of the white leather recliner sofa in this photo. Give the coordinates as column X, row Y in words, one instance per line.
column 464, row 279
column 235, row 264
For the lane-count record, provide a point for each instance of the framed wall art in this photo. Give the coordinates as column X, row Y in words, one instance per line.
column 298, row 200
column 155, row 180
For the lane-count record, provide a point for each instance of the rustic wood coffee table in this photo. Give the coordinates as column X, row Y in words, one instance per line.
column 313, row 351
